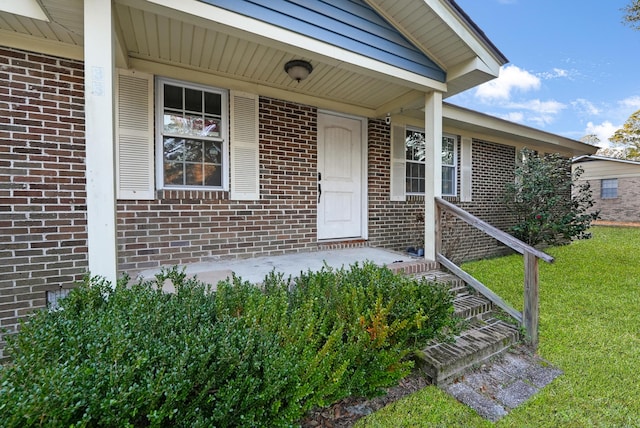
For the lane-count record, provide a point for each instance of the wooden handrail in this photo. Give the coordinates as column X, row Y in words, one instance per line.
column 510, row 241
column 530, row 315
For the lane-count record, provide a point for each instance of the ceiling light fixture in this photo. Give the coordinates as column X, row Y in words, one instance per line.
column 298, row 69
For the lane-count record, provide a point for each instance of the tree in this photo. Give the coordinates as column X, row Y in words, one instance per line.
column 549, row 205
column 629, row 136
column 632, row 14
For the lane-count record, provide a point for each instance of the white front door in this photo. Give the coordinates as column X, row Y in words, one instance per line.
column 339, row 177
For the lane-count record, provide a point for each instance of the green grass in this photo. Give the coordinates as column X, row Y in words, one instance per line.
column 589, row 328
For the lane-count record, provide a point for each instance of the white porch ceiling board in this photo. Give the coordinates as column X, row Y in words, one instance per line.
column 150, row 27
column 139, row 32
column 123, row 15
column 168, row 39
column 197, row 45
column 69, row 14
column 186, row 38
column 13, row 23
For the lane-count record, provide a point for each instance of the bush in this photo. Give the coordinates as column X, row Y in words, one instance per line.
column 549, row 205
column 241, row 356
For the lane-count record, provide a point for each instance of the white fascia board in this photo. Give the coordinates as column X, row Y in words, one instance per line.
column 454, row 22
column 29, row 8
column 332, row 55
column 520, row 132
column 460, row 70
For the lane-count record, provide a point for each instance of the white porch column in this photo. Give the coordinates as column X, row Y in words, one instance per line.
column 433, row 168
column 99, row 138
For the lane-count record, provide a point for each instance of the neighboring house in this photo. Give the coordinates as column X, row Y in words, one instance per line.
column 615, row 184
column 142, row 133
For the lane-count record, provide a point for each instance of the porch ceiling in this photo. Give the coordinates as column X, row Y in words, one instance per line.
column 150, row 32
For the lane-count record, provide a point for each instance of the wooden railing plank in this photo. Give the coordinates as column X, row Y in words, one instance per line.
column 492, row 231
column 482, row 289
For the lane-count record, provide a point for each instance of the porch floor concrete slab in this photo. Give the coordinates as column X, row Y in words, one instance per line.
column 255, row 269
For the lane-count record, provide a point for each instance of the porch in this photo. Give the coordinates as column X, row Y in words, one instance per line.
column 292, row 264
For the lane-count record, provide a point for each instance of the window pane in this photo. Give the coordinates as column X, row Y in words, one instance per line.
column 192, row 100
column 609, row 188
column 213, row 152
column 448, row 181
column 193, row 151
column 173, row 149
column 212, row 175
column 172, row 97
column 447, row 151
column 173, row 173
column 194, row 175
column 212, row 103
column 414, row 142
column 211, row 127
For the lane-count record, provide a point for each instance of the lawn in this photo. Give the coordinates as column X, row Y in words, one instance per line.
column 589, row 328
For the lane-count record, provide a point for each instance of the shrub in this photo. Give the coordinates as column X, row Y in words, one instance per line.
column 131, row 355
column 549, row 205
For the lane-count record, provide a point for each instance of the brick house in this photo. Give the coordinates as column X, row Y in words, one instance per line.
column 615, row 184
column 142, row 133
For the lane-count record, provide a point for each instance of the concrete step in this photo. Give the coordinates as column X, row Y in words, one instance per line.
column 482, row 340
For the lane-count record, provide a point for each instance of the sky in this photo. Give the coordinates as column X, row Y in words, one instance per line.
column 574, row 67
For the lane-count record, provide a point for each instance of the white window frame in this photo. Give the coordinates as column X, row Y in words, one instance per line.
column 454, row 166
column 224, row 134
column 609, row 190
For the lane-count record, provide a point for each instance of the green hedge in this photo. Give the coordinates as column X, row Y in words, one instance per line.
column 131, row 355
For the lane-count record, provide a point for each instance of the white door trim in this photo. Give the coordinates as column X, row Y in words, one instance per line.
column 364, row 191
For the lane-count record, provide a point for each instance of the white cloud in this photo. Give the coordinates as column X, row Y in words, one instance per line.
column 631, row 102
column 554, row 74
column 514, row 116
column 511, row 78
column 585, row 106
column 603, row 131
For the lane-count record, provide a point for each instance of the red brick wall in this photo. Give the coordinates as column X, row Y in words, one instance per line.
column 189, row 226
column 493, row 165
column 392, row 224
column 42, row 186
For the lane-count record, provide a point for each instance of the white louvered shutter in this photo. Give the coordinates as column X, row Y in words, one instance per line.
column 398, row 161
column 134, row 135
column 245, row 168
column 466, row 174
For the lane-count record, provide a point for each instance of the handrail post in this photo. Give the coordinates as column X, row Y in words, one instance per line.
column 438, row 234
column 531, row 298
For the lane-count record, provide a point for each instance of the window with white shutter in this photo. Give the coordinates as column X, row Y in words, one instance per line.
column 192, row 135
column 408, row 157
column 134, row 135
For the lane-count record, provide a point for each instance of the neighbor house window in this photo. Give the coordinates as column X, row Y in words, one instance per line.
column 192, row 135
column 609, row 188
column 415, row 163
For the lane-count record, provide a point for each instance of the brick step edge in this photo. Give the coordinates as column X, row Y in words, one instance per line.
column 412, row 267
column 443, row 362
column 467, row 306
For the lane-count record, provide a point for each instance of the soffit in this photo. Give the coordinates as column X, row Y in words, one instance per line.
column 159, row 34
